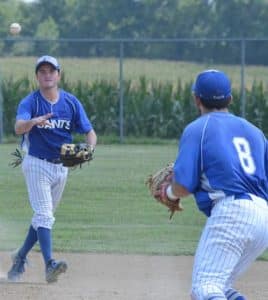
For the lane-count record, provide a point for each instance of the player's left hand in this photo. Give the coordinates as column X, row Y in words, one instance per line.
column 158, row 184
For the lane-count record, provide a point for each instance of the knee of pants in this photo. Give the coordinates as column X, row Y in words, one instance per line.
column 207, row 292
column 45, row 221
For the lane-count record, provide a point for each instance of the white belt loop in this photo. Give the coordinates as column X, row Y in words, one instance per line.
column 259, row 200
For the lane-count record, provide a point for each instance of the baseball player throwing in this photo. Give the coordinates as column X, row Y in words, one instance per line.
column 222, row 160
column 46, row 118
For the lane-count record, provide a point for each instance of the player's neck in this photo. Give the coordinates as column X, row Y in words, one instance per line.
column 51, row 95
column 207, row 111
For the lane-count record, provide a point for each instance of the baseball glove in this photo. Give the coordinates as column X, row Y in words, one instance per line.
column 158, row 183
column 17, row 158
column 73, row 155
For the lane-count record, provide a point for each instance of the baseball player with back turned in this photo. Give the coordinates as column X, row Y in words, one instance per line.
column 46, row 118
column 223, row 161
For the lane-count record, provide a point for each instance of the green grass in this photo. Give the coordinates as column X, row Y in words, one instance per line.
column 108, row 68
column 106, row 206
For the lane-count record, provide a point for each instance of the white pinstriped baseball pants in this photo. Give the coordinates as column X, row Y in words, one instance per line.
column 235, row 234
column 45, row 184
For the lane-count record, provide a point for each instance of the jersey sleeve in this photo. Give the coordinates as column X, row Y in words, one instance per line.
column 82, row 122
column 266, row 157
column 24, row 110
column 187, row 167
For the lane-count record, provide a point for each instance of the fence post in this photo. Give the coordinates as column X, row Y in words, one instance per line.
column 243, row 94
column 121, row 93
column 1, row 113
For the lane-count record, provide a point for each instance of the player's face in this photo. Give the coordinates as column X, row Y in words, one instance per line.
column 47, row 76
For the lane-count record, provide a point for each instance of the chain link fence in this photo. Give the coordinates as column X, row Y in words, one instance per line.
column 129, row 60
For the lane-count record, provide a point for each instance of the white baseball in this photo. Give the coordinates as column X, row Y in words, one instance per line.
column 15, row 28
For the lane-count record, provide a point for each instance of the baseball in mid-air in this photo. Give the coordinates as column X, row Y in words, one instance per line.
column 15, row 28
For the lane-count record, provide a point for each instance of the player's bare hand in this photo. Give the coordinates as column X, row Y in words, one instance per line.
column 42, row 120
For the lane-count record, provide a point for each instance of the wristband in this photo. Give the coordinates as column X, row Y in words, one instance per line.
column 170, row 193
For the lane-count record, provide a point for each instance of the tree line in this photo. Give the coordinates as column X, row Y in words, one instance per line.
column 136, row 19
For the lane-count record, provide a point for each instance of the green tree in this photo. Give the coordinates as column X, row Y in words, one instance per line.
column 47, row 29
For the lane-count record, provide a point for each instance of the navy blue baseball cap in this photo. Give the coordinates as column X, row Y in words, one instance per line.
column 46, row 59
column 212, row 85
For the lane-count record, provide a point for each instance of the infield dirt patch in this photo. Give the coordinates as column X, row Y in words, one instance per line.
column 119, row 277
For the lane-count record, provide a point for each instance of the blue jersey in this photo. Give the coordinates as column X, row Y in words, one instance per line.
column 68, row 116
column 222, row 155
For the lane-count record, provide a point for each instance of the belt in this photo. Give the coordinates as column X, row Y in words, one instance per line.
column 53, row 161
column 242, row 196
column 253, row 198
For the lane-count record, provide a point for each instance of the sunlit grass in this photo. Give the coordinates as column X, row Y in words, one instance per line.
column 106, row 206
column 92, row 69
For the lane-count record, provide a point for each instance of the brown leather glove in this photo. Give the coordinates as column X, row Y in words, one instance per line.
column 158, row 183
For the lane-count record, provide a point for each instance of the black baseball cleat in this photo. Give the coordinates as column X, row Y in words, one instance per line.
column 54, row 269
column 17, row 269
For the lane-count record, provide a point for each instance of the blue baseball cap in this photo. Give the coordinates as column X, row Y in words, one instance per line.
column 46, row 59
column 212, row 85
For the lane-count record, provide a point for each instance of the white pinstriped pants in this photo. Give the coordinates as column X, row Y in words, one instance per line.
column 235, row 234
column 45, row 183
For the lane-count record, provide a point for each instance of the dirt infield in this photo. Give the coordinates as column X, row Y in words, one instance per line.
column 119, row 277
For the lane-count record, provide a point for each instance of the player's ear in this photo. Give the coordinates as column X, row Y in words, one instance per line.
column 230, row 100
column 197, row 101
column 198, row 104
